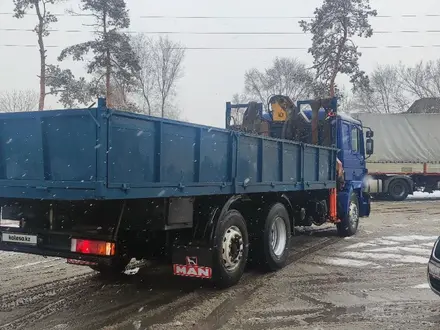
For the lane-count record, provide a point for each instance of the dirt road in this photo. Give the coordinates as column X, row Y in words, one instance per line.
column 375, row 280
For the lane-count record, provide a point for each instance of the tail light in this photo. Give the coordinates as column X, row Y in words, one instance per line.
column 86, row 246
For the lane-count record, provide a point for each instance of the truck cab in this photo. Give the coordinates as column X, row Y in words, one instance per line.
column 354, row 146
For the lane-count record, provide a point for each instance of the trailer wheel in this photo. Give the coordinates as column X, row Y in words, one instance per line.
column 275, row 240
column 232, row 244
column 349, row 224
column 398, row 190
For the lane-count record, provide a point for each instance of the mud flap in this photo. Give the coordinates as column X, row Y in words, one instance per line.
column 365, row 204
column 192, row 261
column 343, row 202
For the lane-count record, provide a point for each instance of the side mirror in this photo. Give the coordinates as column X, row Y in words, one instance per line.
column 369, row 147
column 370, row 134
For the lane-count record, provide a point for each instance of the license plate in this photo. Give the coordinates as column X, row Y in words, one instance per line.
column 19, row 238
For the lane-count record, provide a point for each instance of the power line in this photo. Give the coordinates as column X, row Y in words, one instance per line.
column 231, row 17
column 212, row 32
column 248, row 48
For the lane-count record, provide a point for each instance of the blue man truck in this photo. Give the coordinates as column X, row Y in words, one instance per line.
column 99, row 186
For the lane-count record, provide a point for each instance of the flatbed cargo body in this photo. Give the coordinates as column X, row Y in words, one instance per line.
column 105, row 154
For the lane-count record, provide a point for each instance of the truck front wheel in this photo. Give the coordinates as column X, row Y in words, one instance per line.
column 350, row 222
column 231, row 243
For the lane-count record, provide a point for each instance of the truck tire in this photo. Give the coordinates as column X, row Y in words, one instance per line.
column 231, row 243
column 275, row 240
column 349, row 224
column 398, row 190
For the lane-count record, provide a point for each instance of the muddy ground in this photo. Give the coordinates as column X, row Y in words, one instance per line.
column 374, row 280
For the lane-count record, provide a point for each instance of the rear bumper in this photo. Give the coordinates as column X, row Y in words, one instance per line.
column 52, row 245
column 52, row 253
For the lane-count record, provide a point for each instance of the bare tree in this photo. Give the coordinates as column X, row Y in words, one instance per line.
column 422, row 80
column 346, row 102
column 168, row 58
column 386, row 92
column 18, row 101
column 335, row 24
column 45, row 17
column 161, row 67
column 146, row 76
column 286, row 76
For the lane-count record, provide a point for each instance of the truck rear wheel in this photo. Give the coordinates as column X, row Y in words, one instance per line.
column 232, row 245
column 398, row 190
column 275, row 240
column 349, row 224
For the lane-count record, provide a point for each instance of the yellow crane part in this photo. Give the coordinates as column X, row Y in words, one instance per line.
column 278, row 113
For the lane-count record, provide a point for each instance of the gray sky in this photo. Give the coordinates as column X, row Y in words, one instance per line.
column 213, row 76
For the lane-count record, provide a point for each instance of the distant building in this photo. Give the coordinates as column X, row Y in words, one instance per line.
column 425, row 105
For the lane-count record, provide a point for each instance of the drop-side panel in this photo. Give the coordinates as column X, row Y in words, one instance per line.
column 150, row 157
column 44, row 154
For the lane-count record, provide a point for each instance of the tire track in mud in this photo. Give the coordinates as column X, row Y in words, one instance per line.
column 220, row 315
column 202, row 304
column 31, row 295
column 114, row 301
column 86, row 302
column 166, row 297
column 20, row 272
column 28, row 306
column 42, row 310
column 44, row 305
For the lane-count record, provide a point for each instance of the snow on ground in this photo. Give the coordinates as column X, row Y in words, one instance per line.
column 424, row 195
column 394, row 251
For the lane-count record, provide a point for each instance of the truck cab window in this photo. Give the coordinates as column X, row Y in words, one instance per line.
column 346, row 136
column 354, row 139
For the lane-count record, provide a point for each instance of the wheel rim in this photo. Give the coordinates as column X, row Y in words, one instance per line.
column 398, row 190
column 353, row 214
column 232, row 248
column 278, row 236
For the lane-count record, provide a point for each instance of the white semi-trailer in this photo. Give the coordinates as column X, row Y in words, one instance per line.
column 406, row 154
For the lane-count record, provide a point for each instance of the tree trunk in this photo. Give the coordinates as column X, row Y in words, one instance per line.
column 42, row 57
column 147, row 99
column 337, row 63
column 108, row 61
column 107, row 79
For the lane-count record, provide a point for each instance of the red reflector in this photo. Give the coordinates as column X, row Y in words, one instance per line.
column 81, row 262
column 86, row 246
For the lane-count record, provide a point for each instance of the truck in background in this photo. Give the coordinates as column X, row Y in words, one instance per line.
column 406, row 156
column 99, row 186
